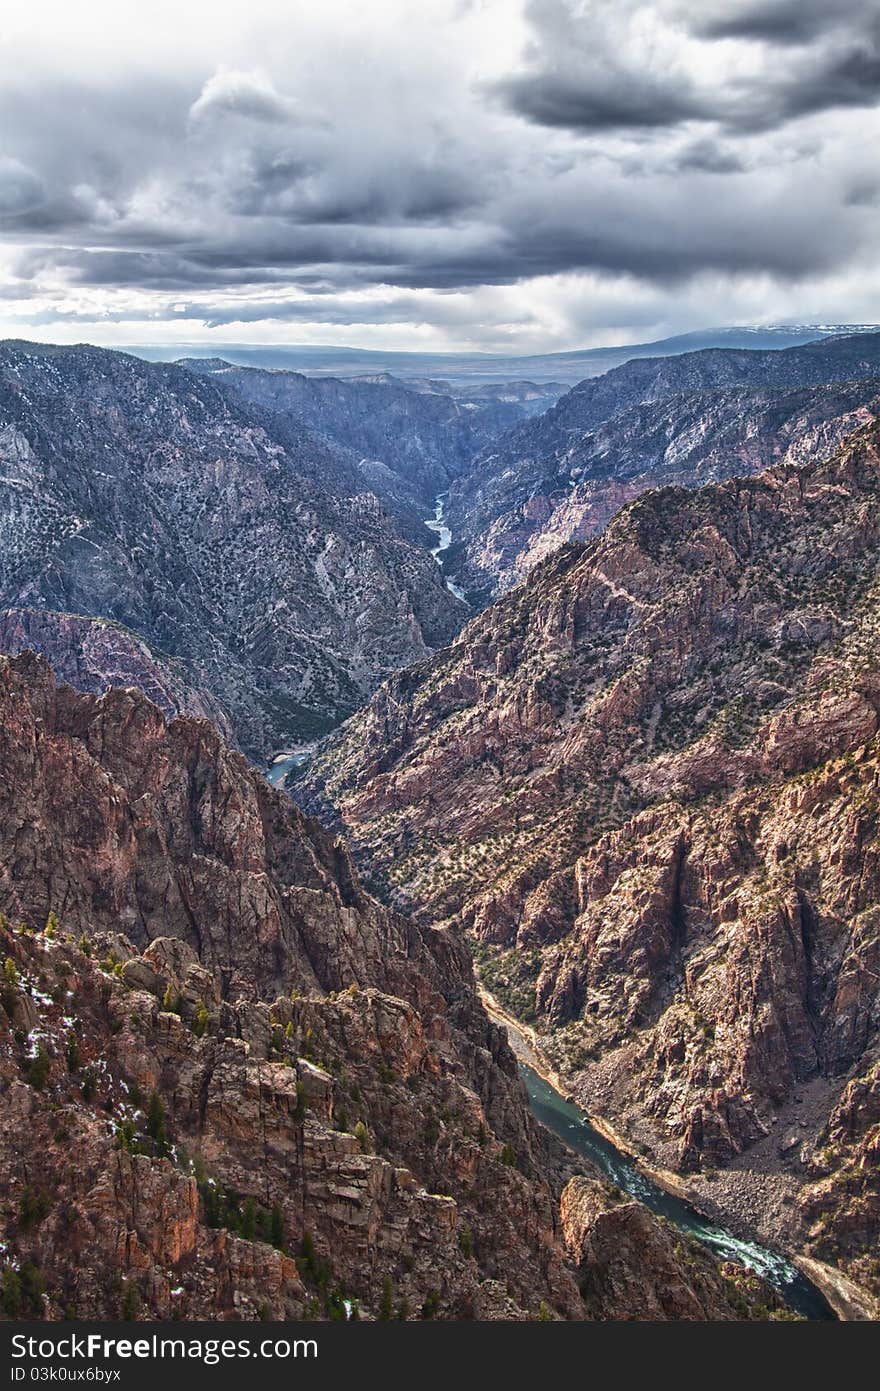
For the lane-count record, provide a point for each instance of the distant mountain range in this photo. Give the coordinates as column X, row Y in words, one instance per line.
column 457, row 369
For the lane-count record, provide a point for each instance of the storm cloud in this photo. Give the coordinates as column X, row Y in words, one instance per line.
column 466, row 174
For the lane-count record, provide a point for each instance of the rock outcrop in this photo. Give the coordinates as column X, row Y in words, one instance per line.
column 632, row 1265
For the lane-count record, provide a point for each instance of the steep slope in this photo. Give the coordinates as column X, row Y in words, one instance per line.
column 146, row 495
column 407, row 445
column 251, row 1000
column 700, row 417
column 235, row 1086
column 647, row 781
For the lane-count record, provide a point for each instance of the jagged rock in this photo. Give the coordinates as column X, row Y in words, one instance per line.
column 633, row 1266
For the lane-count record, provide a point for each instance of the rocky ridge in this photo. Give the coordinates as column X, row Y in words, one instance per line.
column 697, row 418
column 214, row 985
column 92, row 654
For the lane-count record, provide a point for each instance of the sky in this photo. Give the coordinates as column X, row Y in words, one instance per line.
column 498, row 175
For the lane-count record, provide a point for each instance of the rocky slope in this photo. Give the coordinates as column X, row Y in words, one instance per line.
column 647, row 782
column 689, row 420
column 235, row 1086
column 219, row 990
column 144, row 494
column 406, row 444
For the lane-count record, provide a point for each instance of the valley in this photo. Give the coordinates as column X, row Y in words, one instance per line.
column 593, row 689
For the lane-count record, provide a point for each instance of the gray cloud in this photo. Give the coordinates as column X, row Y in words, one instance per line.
column 580, row 76
column 784, row 22
column 21, row 191
column 306, row 185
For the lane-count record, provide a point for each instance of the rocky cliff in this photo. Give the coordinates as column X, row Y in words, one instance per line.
column 144, row 494
column 407, row 444
column 647, row 782
column 689, row 420
column 632, row 1265
column 93, row 654
column 233, row 1085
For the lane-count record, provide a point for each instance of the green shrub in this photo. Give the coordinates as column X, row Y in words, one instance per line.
column 38, row 1068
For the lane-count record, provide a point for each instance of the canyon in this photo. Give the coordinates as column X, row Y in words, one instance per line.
column 646, row 783
column 236, row 1086
column 244, row 547
column 686, row 420
column 588, row 694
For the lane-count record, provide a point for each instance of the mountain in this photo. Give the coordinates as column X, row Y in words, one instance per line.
column 646, row 781
column 691, row 419
column 467, row 370
column 406, row 445
column 246, row 548
column 234, row 1086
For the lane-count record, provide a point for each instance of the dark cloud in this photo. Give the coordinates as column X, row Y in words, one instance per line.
column 785, row 22
column 580, row 75
column 356, row 190
column 600, row 101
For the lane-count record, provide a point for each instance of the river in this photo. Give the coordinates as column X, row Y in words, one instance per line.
column 573, row 1126
column 284, row 764
column 444, row 541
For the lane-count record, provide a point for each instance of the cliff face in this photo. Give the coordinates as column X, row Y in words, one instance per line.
column 143, row 494
column 633, row 1266
column 224, row 1055
column 233, row 1085
column 690, row 420
column 647, row 782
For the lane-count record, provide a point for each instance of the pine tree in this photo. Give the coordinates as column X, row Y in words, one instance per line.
column 156, row 1123
column 276, row 1228
column 129, row 1307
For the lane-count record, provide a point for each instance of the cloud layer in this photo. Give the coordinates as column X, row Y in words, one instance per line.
column 477, row 173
